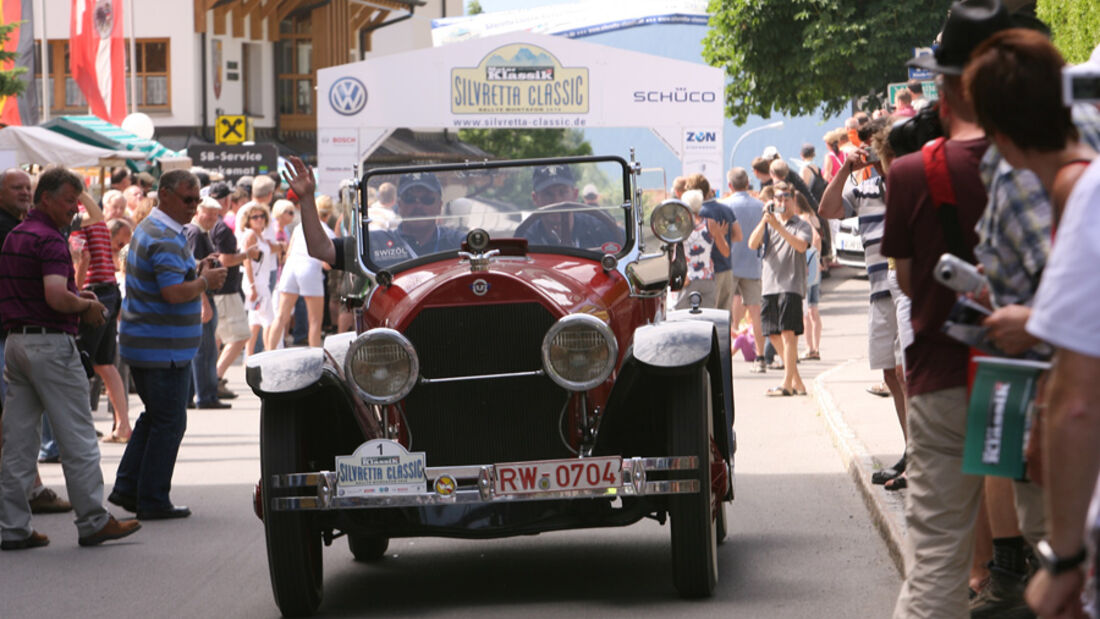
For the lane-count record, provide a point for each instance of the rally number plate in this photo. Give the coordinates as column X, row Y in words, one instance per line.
column 380, row 467
column 558, row 475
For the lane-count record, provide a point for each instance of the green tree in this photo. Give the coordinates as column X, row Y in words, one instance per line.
column 794, row 57
column 1074, row 25
column 527, row 143
column 473, row 7
column 11, row 83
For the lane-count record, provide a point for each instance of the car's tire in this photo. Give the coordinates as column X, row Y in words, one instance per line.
column 367, row 548
column 293, row 545
column 693, row 527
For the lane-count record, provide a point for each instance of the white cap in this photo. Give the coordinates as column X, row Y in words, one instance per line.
column 590, row 190
column 209, row 202
column 770, row 152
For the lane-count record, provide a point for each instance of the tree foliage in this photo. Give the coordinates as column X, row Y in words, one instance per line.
column 527, row 143
column 793, row 57
column 1074, row 25
column 11, row 83
column 473, row 7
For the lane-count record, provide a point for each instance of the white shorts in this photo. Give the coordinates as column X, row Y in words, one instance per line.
column 882, row 330
column 302, row 278
column 261, row 311
column 902, row 305
column 232, row 321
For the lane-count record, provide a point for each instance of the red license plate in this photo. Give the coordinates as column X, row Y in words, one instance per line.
column 559, row 475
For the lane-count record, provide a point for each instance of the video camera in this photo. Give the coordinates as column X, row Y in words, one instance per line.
column 908, row 136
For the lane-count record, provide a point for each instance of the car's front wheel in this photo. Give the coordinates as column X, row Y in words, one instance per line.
column 694, row 535
column 367, row 548
column 293, row 544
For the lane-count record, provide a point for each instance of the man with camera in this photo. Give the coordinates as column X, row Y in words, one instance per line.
column 942, row 502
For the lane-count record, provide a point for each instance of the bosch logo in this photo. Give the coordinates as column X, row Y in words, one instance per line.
column 348, row 96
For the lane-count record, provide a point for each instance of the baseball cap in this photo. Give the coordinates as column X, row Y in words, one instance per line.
column 590, row 191
column 219, row 190
column 969, row 22
column 548, row 175
column 427, row 180
column 770, row 152
column 209, row 202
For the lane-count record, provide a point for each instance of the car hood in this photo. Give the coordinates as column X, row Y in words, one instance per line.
column 563, row 285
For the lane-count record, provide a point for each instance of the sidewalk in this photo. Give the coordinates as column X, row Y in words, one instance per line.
column 864, row 427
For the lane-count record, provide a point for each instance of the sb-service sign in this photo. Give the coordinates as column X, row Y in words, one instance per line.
column 519, row 79
column 235, row 161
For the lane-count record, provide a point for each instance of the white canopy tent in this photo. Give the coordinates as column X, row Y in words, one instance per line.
column 518, row 80
column 27, row 145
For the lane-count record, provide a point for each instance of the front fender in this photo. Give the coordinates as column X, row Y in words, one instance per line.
column 284, row 371
column 668, row 345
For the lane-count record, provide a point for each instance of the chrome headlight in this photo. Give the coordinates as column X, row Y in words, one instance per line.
column 382, row 363
column 672, row 221
column 579, row 352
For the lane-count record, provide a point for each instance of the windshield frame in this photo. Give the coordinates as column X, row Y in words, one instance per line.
column 363, row 232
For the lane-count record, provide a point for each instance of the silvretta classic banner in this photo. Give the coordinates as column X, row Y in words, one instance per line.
column 519, row 79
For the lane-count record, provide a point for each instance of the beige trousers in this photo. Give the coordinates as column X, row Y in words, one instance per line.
column 941, row 505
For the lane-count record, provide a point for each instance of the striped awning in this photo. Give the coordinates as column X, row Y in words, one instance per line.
column 98, row 132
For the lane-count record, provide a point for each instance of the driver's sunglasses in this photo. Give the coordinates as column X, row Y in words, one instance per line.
column 426, row 199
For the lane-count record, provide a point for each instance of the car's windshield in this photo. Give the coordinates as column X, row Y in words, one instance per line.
column 572, row 206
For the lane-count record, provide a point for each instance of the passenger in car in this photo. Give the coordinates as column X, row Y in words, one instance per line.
column 553, row 185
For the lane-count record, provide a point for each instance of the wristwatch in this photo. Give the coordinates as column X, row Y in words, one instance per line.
column 1054, row 564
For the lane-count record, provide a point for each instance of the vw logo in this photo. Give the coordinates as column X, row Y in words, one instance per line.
column 348, row 96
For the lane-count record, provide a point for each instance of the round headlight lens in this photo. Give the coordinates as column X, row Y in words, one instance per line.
column 579, row 352
column 672, row 221
column 383, row 365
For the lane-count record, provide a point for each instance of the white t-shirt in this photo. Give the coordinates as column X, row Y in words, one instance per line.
column 1064, row 313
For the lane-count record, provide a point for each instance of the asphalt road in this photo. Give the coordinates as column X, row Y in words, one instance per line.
column 800, row 545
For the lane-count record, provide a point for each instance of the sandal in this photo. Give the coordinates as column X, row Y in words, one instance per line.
column 797, row 392
column 813, row 355
column 113, row 438
column 775, row 366
column 778, row 391
column 880, row 390
column 901, row 482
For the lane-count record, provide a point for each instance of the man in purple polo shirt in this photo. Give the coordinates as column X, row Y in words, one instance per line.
column 41, row 310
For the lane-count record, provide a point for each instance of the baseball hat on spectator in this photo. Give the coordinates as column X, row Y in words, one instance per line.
column 770, row 153
column 590, row 191
column 969, row 22
column 245, row 182
column 219, row 190
column 209, row 202
column 548, row 175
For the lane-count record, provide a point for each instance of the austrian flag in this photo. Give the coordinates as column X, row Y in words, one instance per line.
column 96, row 56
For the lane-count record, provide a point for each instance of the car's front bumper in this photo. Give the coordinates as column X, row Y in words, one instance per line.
column 475, row 485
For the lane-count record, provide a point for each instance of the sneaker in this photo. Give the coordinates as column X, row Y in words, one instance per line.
column 758, row 366
column 1002, row 597
column 47, row 502
column 223, row 390
column 34, row 540
column 112, row 530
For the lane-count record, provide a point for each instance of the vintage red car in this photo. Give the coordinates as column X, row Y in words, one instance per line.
column 514, row 371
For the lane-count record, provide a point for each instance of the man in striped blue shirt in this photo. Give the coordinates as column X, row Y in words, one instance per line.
column 158, row 336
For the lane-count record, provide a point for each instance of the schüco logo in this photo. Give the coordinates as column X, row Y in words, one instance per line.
column 676, row 95
column 347, row 96
column 701, row 136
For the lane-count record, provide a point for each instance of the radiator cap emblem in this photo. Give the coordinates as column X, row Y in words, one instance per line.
column 480, row 287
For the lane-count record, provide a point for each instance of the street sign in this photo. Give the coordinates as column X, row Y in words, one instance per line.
column 235, row 161
column 916, row 73
column 930, row 91
column 233, row 129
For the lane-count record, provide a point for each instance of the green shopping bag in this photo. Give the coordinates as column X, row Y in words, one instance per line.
column 999, row 416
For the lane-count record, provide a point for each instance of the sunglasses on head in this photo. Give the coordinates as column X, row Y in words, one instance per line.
column 425, row 199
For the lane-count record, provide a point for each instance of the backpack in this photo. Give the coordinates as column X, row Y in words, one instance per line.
column 817, row 187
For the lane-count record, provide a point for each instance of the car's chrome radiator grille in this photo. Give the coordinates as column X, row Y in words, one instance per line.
column 483, row 421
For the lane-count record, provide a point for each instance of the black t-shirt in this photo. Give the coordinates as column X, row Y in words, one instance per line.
column 7, row 223
column 225, row 242
column 198, row 242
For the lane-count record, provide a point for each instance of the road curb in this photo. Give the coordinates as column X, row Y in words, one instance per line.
column 887, row 509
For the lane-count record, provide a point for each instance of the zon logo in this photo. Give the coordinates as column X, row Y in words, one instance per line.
column 702, row 136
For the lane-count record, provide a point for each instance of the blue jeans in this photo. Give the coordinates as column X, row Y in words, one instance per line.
column 145, row 471
column 204, row 367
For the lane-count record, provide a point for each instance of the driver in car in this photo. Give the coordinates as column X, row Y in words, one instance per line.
column 419, row 203
column 553, row 185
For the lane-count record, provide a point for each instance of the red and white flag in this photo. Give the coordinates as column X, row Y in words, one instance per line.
column 96, row 58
